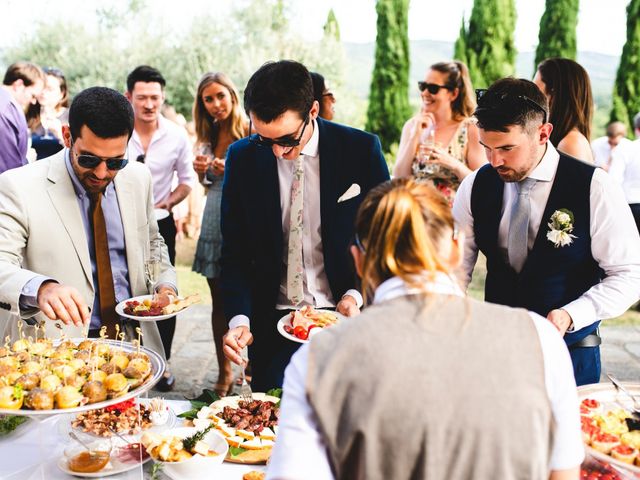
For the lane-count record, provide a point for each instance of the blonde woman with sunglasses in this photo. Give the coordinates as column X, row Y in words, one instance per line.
column 440, row 144
column 426, row 383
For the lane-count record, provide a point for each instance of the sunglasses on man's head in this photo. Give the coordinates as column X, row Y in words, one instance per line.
column 491, row 100
column 432, row 88
column 287, row 141
column 91, row 161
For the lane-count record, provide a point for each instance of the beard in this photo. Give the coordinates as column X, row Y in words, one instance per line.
column 510, row 175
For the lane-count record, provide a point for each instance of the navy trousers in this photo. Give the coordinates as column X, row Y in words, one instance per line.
column 270, row 352
column 586, row 364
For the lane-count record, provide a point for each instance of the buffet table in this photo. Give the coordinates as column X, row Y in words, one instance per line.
column 33, row 450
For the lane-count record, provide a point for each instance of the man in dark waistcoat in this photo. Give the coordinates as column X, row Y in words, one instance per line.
column 557, row 233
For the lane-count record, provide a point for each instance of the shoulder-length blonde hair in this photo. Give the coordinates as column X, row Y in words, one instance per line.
column 402, row 227
column 206, row 128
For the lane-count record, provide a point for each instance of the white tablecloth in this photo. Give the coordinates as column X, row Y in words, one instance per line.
column 33, row 450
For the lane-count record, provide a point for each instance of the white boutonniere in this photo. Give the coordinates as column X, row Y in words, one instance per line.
column 560, row 228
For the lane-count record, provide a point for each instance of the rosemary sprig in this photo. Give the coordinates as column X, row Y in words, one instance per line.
column 190, row 442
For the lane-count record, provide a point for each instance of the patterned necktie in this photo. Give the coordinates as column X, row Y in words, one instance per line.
column 517, row 244
column 106, row 291
column 295, row 272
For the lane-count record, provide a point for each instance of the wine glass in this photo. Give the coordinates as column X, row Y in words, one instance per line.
column 425, row 151
column 153, row 263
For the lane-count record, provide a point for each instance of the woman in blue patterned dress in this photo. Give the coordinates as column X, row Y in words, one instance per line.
column 219, row 122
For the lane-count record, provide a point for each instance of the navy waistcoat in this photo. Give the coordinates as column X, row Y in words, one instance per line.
column 551, row 276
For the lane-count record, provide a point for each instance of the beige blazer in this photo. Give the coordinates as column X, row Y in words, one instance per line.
column 41, row 232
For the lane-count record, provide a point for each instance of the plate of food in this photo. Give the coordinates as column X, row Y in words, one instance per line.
column 250, row 428
column 300, row 325
column 154, row 308
column 107, row 457
column 610, row 431
column 43, row 377
column 131, row 417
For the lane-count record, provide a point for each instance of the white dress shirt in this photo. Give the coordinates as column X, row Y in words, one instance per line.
column 602, row 151
column 298, row 430
column 625, row 169
column 168, row 154
column 615, row 243
column 317, row 291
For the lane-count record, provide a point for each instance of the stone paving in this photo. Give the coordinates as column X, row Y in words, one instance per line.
column 194, row 364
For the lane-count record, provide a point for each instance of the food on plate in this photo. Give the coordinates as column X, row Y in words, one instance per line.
column 254, row 475
column 11, row 397
column 160, row 304
column 301, row 322
column 88, row 462
column 39, row 399
column 249, row 427
column 38, row 375
column 125, row 418
column 132, row 453
column 624, row 453
column 159, row 412
column 171, row 448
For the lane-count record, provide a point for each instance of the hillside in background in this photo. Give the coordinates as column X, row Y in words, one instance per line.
column 360, row 57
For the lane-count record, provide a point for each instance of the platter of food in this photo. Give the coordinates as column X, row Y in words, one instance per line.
column 609, row 430
column 44, row 377
column 250, row 428
column 107, row 457
column 131, row 417
column 154, row 308
column 300, row 325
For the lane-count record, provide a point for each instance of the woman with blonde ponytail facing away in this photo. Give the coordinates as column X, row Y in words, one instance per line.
column 426, row 383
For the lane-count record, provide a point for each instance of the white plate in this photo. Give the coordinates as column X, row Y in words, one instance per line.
column 225, row 470
column 161, row 213
column 157, row 318
column 606, row 394
column 158, row 365
column 285, row 321
column 114, row 466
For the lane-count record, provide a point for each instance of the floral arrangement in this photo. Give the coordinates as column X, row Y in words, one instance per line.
column 560, row 228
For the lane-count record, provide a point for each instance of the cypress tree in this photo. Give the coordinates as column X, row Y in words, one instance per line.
column 490, row 51
column 331, row 27
column 557, row 35
column 389, row 94
column 460, row 47
column 626, row 90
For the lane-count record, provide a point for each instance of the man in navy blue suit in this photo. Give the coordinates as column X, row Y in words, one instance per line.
column 290, row 195
column 557, row 233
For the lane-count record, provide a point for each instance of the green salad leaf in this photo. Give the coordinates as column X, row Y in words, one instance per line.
column 10, row 422
column 275, row 392
column 206, row 398
column 235, row 451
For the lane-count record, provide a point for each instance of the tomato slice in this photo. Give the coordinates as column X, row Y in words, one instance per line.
column 301, row 332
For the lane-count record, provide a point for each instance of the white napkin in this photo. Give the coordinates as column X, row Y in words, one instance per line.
column 352, row 191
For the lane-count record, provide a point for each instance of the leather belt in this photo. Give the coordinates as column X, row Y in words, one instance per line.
column 591, row 340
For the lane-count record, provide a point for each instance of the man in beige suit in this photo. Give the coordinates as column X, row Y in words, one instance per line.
column 53, row 256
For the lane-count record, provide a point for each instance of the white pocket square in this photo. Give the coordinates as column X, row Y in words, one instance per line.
column 352, row 191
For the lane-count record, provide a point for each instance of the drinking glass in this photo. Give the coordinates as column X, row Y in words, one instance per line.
column 424, row 154
column 153, row 263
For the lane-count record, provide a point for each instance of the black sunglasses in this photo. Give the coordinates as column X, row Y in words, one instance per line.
column 489, row 101
column 433, row 88
column 91, row 161
column 288, row 141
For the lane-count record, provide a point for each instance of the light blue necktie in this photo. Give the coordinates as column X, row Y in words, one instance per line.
column 517, row 243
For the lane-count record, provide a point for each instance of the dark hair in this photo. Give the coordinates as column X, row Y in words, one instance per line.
column 458, row 77
column 277, row 87
column 318, row 86
column 146, row 74
column 107, row 113
column 28, row 72
column 508, row 102
column 568, row 87
column 56, row 72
